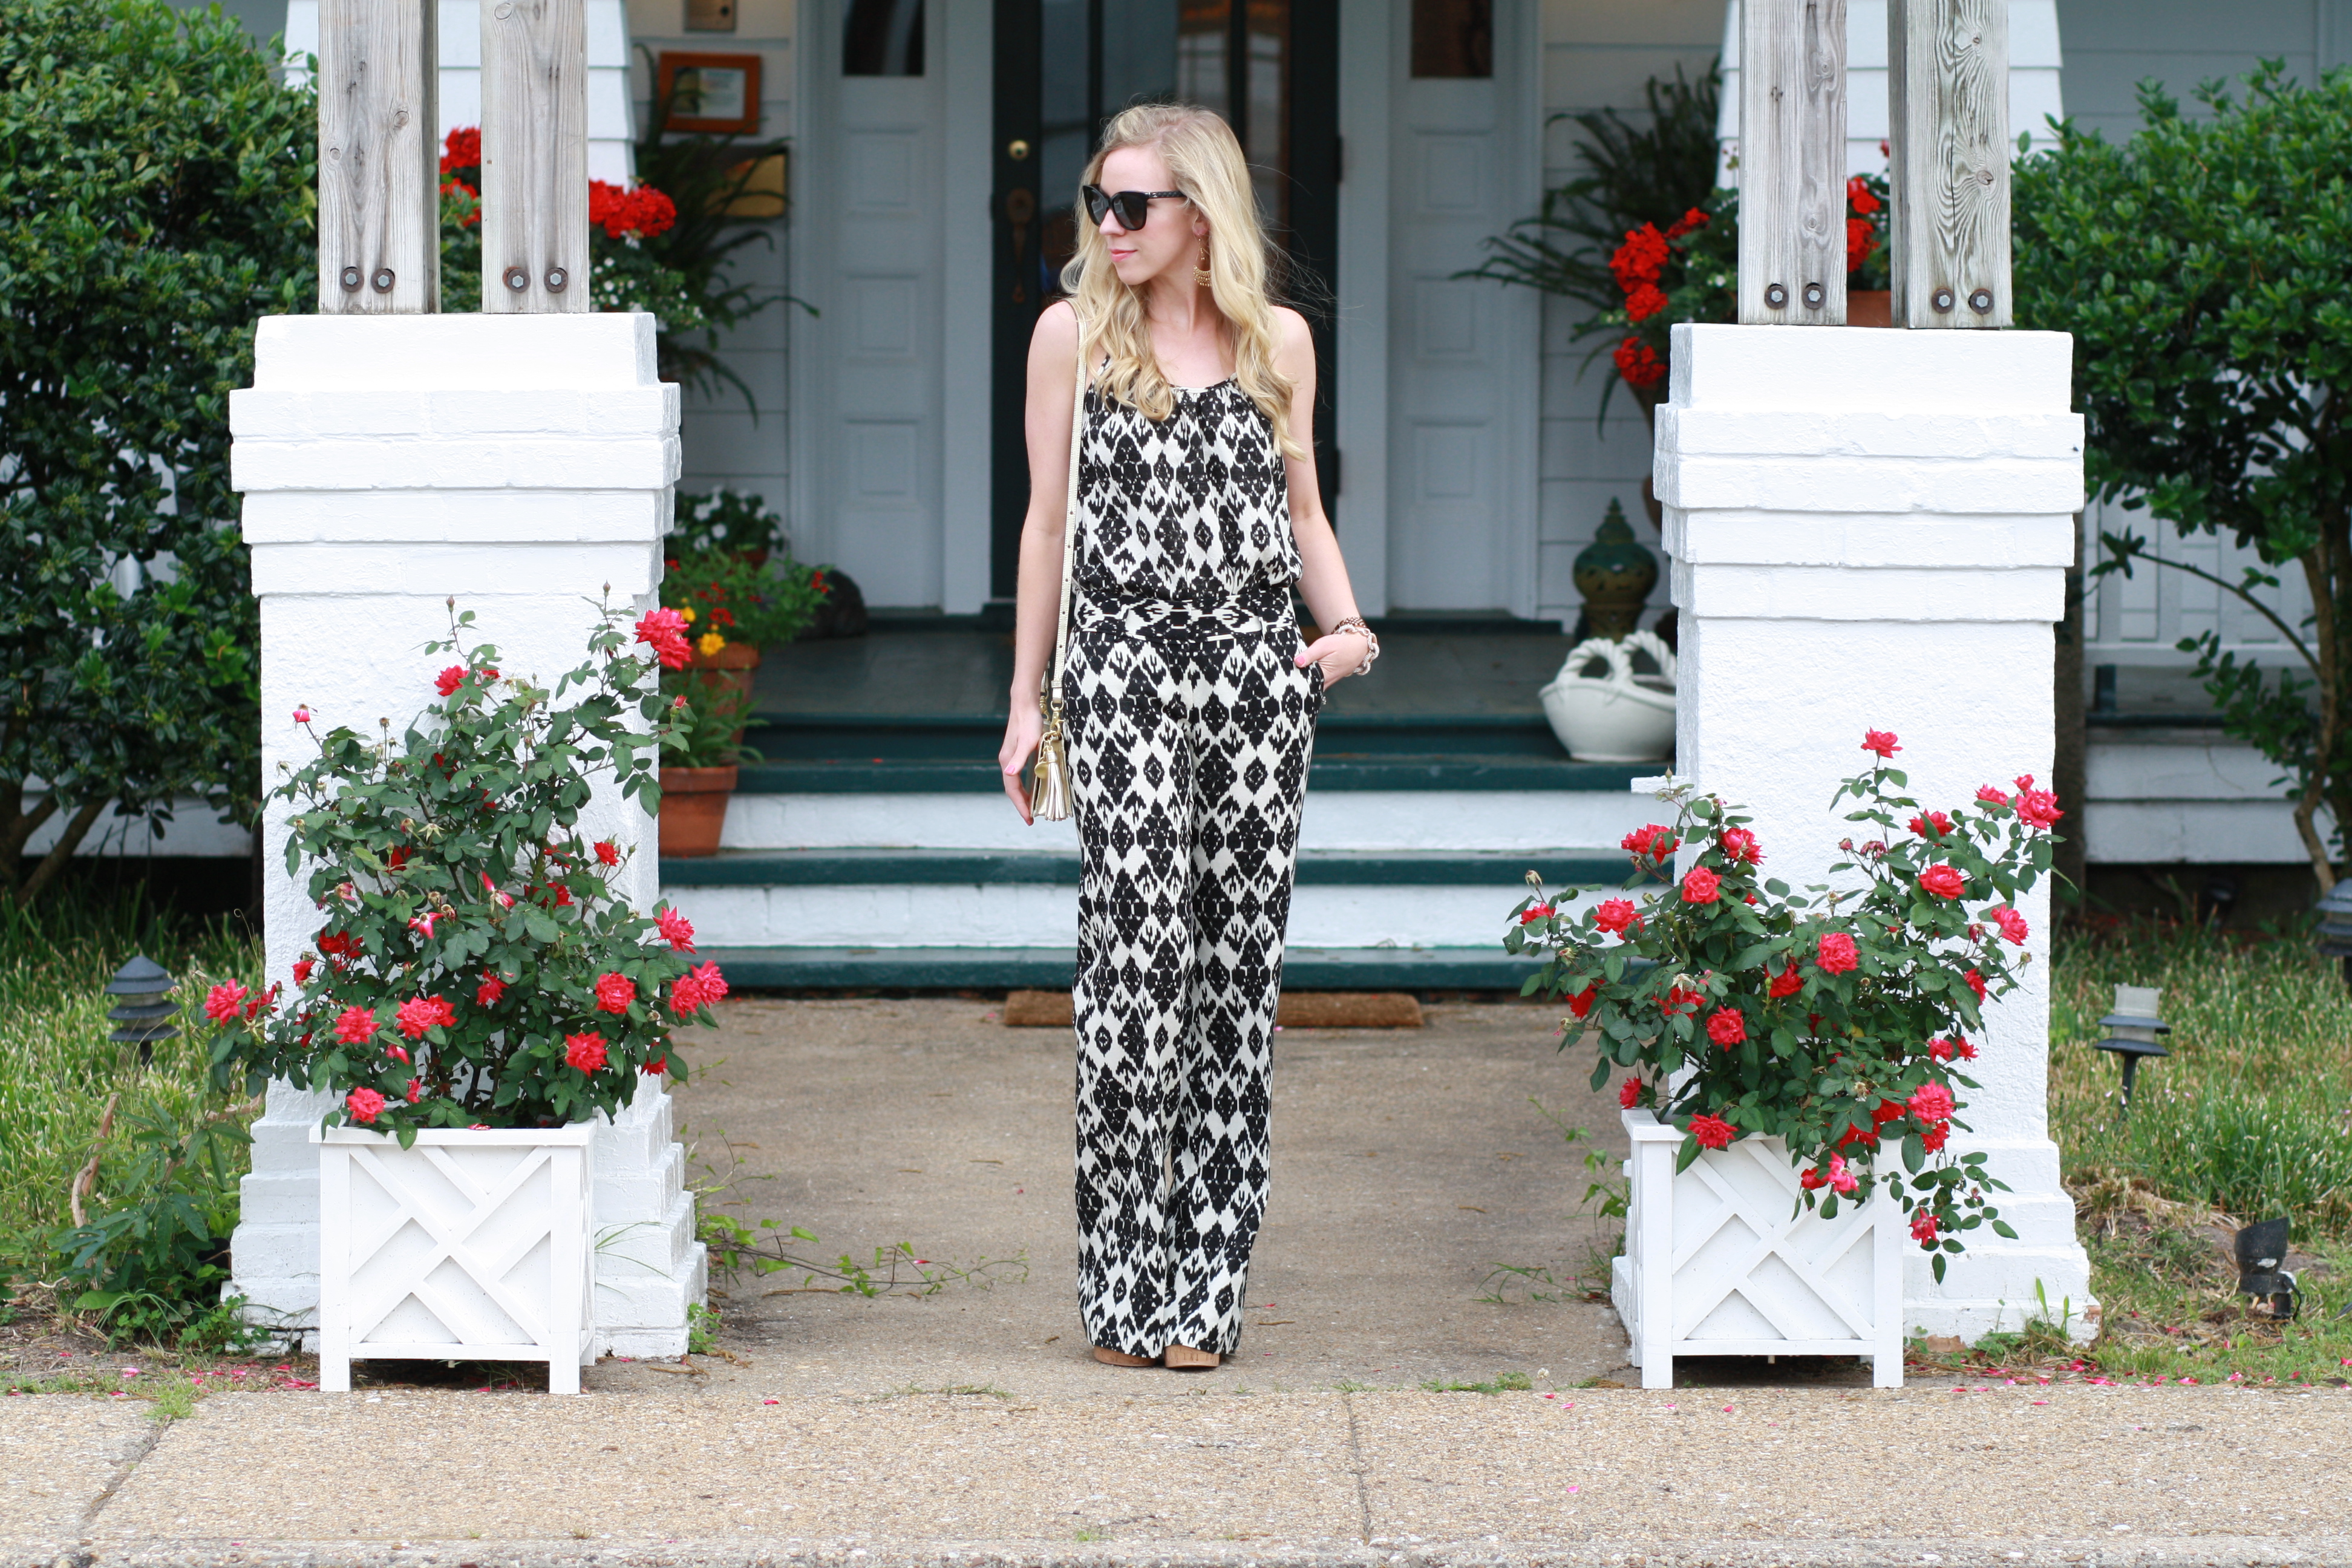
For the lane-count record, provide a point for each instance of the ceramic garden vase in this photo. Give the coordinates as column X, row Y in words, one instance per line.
column 694, row 810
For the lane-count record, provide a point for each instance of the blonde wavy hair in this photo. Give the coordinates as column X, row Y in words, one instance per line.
column 1206, row 163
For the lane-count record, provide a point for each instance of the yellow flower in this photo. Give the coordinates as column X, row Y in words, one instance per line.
column 686, row 614
column 710, row 643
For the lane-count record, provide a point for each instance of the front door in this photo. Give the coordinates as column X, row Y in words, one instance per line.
column 1063, row 68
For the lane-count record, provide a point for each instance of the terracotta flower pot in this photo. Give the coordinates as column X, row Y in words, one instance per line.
column 1870, row 308
column 694, row 809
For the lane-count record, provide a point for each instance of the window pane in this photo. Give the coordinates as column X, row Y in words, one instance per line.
column 1266, row 131
column 1454, row 37
column 883, row 38
column 1204, row 32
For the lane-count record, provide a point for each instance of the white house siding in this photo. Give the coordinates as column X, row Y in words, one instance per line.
column 725, row 444
column 2113, row 45
column 1597, row 54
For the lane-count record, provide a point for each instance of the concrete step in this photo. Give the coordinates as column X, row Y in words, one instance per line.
column 794, row 968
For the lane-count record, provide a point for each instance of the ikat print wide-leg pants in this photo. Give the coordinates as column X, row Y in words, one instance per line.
column 1189, row 736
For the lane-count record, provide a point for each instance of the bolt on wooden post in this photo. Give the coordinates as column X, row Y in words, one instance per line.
column 1792, row 162
column 534, row 157
column 379, row 162
column 1947, row 99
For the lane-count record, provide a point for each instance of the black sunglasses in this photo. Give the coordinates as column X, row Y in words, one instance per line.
column 1132, row 207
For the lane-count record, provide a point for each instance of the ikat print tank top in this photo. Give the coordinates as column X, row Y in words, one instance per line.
column 1193, row 507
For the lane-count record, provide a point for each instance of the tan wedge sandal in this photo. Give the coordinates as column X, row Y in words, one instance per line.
column 1120, row 1358
column 1184, row 1358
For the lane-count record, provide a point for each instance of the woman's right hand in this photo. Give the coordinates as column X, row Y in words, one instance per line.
column 1020, row 732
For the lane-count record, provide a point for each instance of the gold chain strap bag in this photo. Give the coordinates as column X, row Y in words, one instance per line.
column 1049, row 780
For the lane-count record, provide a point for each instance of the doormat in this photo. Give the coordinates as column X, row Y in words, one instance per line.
column 1299, row 1010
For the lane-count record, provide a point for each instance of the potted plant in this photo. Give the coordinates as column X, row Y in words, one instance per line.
column 477, row 993
column 1781, row 1045
column 730, row 576
column 703, row 746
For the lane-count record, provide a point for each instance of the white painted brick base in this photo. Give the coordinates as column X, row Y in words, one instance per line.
column 1870, row 529
column 523, row 463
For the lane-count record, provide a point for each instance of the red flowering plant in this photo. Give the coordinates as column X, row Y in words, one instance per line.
column 475, row 965
column 1837, row 1020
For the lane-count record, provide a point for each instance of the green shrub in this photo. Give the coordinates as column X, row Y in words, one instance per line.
column 156, row 199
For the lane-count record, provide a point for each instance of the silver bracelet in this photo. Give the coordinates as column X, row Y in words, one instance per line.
column 1373, row 643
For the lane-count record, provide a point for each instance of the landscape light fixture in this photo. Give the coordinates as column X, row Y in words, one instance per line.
column 2335, row 926
column 2132, row 1029
column 2262, row 1255
column 145, row 1012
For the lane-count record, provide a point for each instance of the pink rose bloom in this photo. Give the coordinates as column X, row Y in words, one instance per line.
column 1990, row 795
column 1739, row 846
column 1879, row 740
column 1931, row 1103
column 301, row 715
column 1923, row 1227
column 1841, row 1177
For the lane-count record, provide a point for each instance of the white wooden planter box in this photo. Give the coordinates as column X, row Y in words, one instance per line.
column 1721, row 1260
column 468, row 1245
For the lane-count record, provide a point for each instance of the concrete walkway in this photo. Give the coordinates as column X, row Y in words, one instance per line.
column 969, row 1427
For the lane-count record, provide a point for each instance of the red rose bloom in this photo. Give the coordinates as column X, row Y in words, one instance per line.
column 422, row 1013
column 1934, row 1137
column 675, row 930
column 1931, row 1103
column 1614, row 916
column 664, row 631
column 487, row 993
column 336, row 944
column 1739, row 847
column 1879, row 740
column 2039, row 808
column 1728, row 1027
column 615, row 993
column 1788, row 982
column 1940, row 1050
column 1701, row 886
column 355, row 1023
column 1535, row 912
column 1837, row 954
column 1712, row 1131
column 1943, row 881
column 2013, row 924
column 1976, row 984
column 449, row 679
column 1935, row 825
column 415, row 1090
column 1581, row 1002
column 1865, row 1136
column 223, row 1002
column 1681, row 1001
column 1693, row 219
column 585, row 1052
column 1629, row 1093
column 1888, row 1110
column 364, row 1104
column 399, row 1053
column 1990, row 794
column 1653, row 841
column 656, row 1068
column 1813, row 1179
column 302, row 968
column 1923, row 1227
column 608, row 852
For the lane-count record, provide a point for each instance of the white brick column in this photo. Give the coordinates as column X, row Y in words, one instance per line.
column 521, row 464
column 1871, row 530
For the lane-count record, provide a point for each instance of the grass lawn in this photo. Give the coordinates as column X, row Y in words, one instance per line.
column 58, row 1070
column 2248, row 1119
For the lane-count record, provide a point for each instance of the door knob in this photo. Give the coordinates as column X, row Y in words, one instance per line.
column 1017, row 150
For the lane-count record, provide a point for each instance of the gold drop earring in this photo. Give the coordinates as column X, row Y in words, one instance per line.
column 1200, row 274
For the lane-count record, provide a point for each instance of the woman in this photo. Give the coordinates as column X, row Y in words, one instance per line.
column 1188, row 705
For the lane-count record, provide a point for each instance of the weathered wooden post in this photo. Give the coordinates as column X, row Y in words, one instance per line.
column 1872, row 530
column 379, row 163
column 1792, row 162
column 534, row 157
column 1947, row 99
column 391, row 456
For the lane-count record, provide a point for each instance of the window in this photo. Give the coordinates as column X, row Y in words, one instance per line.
column 883, row 38
column 1454, row 37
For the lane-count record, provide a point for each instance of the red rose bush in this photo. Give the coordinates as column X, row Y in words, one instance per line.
column 1837, row 1018
column 475, row 965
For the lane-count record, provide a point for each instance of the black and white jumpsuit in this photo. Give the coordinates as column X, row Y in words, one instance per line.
column 1189, row 730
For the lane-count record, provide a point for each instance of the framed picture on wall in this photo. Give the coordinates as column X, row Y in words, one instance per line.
column 715, row 93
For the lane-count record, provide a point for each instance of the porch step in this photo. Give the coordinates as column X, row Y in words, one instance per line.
column 1049, row 968
column 999, row 900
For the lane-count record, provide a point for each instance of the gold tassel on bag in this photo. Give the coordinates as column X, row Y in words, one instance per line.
column 1049, row 777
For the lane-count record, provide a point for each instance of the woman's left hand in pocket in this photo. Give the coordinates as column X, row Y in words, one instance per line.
column 1341, row 654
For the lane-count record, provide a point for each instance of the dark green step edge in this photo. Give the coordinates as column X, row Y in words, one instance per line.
column 1050, row 968
column 1445, row 773
column 983, row 868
